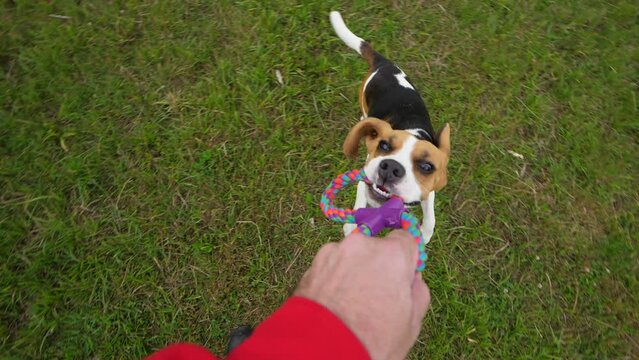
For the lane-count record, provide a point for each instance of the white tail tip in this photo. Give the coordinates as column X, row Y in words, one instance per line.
column 350, row 39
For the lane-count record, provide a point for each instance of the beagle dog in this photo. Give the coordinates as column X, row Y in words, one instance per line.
column 405, row 157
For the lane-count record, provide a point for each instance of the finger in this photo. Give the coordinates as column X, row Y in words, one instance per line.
column 323, row 255
column 304, row 282
column 354, row 238
column 408, row 247
column 356, row 247
column 321, row 260
column 421, row 301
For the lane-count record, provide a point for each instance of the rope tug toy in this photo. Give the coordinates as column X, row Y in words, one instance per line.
column 370, row 221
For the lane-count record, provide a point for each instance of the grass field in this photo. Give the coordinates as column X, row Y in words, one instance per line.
column 158, row 184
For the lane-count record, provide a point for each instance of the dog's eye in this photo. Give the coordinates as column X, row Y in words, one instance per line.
column 426, row 167
column 384, row 146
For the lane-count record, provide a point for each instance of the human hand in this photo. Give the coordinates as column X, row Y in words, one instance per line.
column 371, row 285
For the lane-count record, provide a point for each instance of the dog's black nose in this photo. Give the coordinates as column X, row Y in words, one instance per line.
column 391, row 171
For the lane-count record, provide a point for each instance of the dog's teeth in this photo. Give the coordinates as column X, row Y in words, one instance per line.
column 380, row 191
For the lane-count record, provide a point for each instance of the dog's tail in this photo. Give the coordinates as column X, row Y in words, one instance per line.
column 355, row 42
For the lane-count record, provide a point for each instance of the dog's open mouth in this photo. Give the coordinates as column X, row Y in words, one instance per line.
column 380, row 191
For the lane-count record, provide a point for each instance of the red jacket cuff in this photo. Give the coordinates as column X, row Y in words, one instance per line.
column 301, row 329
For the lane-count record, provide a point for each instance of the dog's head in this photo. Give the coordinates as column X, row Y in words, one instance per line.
column 398, row 163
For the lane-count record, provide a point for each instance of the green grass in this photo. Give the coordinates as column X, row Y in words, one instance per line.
column 157, row 184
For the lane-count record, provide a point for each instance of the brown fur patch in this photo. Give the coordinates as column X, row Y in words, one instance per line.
column 396, row 141
column 425, row 151
column 369, row 54
column 371, row 128
column 362, row 98
column 443, row 139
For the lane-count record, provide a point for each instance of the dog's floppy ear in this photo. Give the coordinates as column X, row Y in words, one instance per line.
column 370, row 127
column 443, row 139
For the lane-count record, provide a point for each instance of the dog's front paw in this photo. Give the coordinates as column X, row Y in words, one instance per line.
column 348, row 228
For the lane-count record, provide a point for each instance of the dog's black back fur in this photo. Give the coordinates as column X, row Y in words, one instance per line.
column 402, row 107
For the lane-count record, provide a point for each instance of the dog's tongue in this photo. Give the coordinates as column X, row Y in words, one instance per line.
column 382, row 187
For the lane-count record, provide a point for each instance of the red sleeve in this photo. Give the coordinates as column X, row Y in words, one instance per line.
column 299, row 329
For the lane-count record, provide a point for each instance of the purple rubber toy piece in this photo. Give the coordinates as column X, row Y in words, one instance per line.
column 376, row 219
